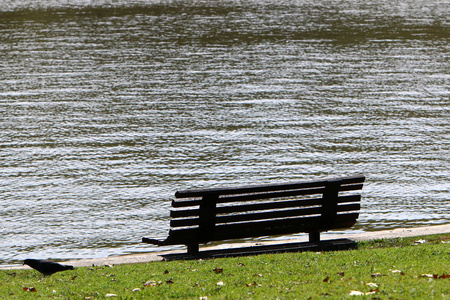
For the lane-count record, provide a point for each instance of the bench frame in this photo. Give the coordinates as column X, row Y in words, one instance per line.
column 203, row 218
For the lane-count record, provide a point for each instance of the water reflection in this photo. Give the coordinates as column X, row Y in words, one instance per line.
column 107, row 110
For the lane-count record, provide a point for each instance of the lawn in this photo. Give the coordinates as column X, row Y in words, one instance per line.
column 404, row 268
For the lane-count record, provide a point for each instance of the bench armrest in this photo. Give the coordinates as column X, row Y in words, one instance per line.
column 153, row 241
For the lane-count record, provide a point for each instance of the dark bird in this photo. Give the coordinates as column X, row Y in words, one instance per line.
column 46, row 267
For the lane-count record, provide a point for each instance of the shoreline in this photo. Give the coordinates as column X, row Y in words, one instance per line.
column 157, row 256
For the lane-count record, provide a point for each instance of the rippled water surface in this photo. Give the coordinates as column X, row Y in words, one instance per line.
column 108, row 107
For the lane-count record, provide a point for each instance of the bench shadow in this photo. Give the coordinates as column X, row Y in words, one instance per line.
column 325, row 245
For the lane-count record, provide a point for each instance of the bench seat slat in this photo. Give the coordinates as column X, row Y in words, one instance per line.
column 285, row 226
column 351, row 187
column 264, row 206
column 250, row 207
column 250, row 216
column 251, row 197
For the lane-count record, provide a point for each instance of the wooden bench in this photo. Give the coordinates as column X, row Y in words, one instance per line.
column 204, row 215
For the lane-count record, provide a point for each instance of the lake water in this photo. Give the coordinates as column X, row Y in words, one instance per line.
column 108, row 107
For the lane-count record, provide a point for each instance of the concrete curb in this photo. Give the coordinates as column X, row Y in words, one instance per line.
column 157, row 256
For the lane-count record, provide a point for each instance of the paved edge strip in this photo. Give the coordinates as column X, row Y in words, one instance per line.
column 156, row 256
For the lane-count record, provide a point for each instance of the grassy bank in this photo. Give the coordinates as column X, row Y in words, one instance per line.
column 407, row 268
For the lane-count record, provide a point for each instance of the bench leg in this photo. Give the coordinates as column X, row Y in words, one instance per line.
column 314, row 237
column 192, row 248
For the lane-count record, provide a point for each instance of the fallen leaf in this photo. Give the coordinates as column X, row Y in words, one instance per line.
column 326, row 279
column 241, row 265
column 418, row 242
column 152, row 283
column 376, row 275
column 218, row 270
column 435, row 276
column 341, row 273
column 110, row 295
column 252, row 284
column 29, row 289
column 136, row 290
column 398, row 271
column 359, row 293
column 372, row 292
column 169, row 281
column 220, row 283
column 166, row 272
column 372, row 285
column 356, row 293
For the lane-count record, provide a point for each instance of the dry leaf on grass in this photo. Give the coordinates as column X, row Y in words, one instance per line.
column 151, row 283
column 356, row 293
column 372, row 285
column 252, row 284
column 359, row 293
column 371, row 292
column 418, row 242
column 435, row 276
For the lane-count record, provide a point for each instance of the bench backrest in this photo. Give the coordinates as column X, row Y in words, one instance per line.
column 205, row 215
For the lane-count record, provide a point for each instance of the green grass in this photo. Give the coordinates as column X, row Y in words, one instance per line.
column 385, row 269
